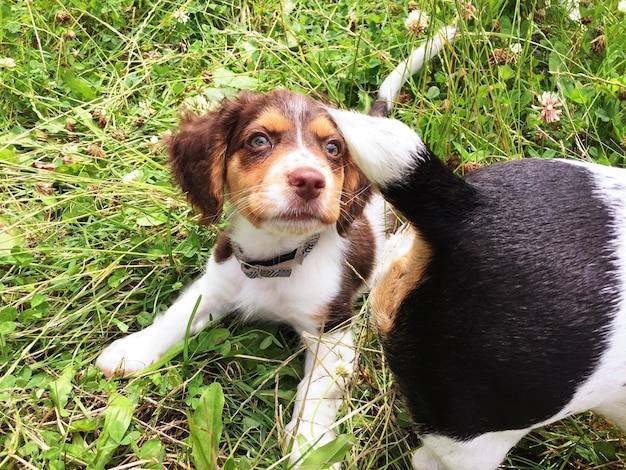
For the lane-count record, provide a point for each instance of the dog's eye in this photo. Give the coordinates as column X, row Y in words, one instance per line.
column 332, row 148
column 258, row 141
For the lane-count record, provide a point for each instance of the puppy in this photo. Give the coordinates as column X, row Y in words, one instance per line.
column 501, row 304
column 305, row 230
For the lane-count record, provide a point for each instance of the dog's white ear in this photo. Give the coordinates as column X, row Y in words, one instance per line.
column 385, row 149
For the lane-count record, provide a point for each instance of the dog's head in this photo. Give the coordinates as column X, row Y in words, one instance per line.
column 278, row 158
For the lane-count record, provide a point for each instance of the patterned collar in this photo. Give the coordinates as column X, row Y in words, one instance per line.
column 266, row 268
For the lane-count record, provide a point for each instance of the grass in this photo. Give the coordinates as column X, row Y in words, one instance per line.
column 94, row 240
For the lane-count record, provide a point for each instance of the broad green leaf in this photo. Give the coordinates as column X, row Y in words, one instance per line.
column 9, row 237
column 205, row 427
column 79, row 87
column 557, row 59
column 266, row 343
column 433, row 93
column 117, row 417
column 6, row 384
column 117, row 429
column 38, row 300
column 577, row 96
column 116, row 278
column 152, row 220
column 151, row 450
column 61, row 388
column 225, row 78
column 8, row 155
column 602, row 114
column 88, row 424
column 8, row 314
column 506, row 72
column 330, row 453
column 7, row 327
column 244, row 464
column 606, row 449
column 230, row 464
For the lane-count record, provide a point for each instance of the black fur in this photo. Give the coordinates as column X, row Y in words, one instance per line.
column 509, row 317
column 433, row 198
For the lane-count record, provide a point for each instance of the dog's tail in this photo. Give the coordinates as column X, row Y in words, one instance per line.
column 396, row 160
column 390, row 89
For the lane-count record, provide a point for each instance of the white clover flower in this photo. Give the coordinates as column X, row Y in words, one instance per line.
column 130, row 177
column 181, row 16
column 146, row 108
column 549, row 104
column 154, row 144
column 621, row 6
column 516, row 47
column 198, row 104
column 7, row 63
column 342, row 369
column 417, row 22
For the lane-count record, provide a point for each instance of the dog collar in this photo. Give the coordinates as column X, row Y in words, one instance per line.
column 265, row 268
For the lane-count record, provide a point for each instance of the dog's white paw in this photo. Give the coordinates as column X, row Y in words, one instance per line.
column 128, row 355
column 302, row 436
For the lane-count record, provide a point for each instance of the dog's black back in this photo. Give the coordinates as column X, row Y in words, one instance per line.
column 501, row 305
column 512, row 312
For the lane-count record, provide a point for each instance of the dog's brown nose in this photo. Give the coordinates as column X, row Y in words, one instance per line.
column 307, row 182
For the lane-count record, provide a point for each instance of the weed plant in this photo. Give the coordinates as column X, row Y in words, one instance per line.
column 95, row 240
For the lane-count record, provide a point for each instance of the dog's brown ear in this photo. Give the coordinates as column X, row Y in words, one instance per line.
column 198, row 157
column 355, row 194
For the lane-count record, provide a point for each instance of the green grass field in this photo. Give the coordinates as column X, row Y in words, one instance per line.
column 95, row 239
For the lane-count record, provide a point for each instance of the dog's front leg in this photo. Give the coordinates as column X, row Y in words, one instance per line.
column 328, row 369
column 137, row 351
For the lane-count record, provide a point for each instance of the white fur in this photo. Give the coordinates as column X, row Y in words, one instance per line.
column 398, row 246
column 484, row 452
column 604, row 391
column 297, row 300
column 385, row 149
column 328, row 369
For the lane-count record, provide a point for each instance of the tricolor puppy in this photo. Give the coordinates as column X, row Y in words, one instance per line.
column 305, row 230
column 501, row 305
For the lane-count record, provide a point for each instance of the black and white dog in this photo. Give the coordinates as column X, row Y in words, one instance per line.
column 501, row 304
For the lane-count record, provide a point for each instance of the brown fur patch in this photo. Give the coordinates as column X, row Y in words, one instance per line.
column 223, row 249
column 357, row 267
column 197, row 164
column 323, row 127
column 274, row 121
column 245, row 183
column 356, row 192
column 401, row 277
column 197, row 157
